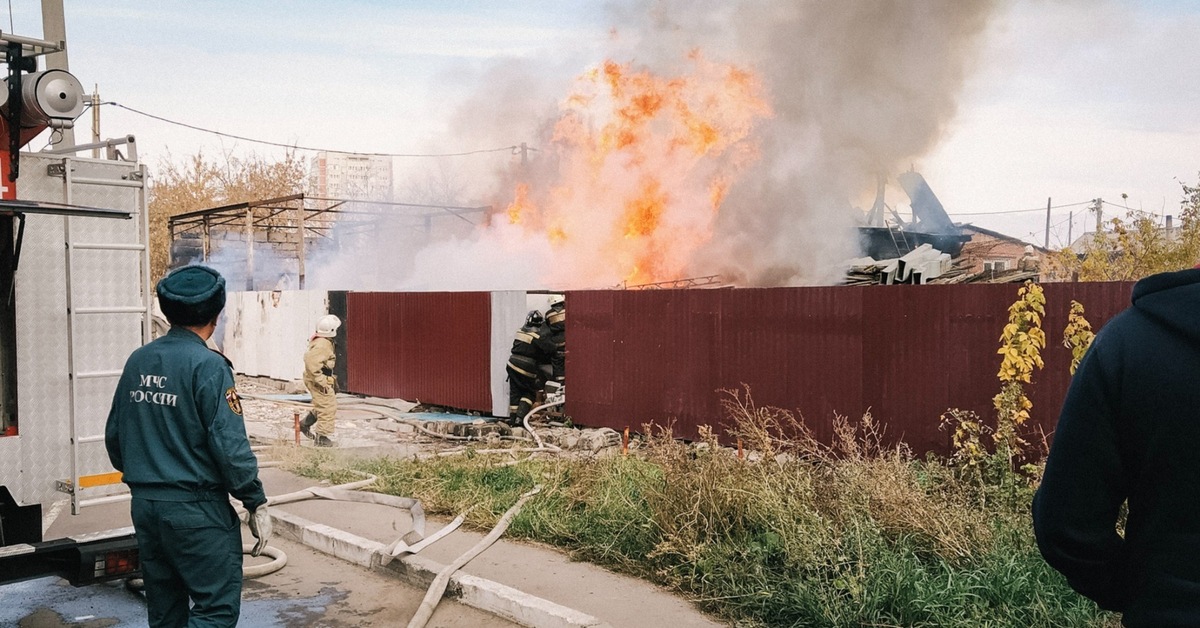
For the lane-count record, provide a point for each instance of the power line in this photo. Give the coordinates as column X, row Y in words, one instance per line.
column 1062, row 222
column 1054, row 229
column 1130, row 209
column 513, row 149
column 193, row 127
column 1020, row 211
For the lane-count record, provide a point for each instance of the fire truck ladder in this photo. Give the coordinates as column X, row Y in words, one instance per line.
column 84, row 431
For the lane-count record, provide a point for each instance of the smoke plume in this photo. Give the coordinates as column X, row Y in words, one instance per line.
column 710, row 138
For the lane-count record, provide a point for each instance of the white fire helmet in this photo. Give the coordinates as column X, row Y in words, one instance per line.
column 328, row 325
column 556, row 299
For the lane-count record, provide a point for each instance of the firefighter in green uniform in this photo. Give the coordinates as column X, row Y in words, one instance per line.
column 176, row 432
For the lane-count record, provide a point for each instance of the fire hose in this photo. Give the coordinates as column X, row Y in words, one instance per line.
column 437, row 588
column 414, row 540
column 396, row 415
column 341, row 492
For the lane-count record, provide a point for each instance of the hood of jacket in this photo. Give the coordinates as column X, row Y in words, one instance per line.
column 1172, row 300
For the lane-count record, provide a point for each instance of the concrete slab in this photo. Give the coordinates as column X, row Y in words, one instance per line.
column 531, row 570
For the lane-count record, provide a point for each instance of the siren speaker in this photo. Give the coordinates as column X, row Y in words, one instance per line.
column 50, row 97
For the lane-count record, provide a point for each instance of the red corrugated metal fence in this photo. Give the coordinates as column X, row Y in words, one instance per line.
column 431, row 347
column 906, row 353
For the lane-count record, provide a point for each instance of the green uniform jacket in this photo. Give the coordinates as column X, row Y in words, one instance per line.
column 175, row 429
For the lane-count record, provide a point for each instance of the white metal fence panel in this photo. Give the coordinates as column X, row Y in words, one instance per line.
column 265, row 334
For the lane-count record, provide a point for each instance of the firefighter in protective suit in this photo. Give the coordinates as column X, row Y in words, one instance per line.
column 531, row 350
column 556, row 321
column 319, row 361
column 176, row 432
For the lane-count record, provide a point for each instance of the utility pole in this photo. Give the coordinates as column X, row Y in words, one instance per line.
column 54, row 29
column 1047, row 240
column 1070, row 227
column 1098, row 207
column 96, row 121
column 524, row 149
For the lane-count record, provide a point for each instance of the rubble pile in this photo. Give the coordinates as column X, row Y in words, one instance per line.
column 926, row 265
column 270, row 417
column 566, row 438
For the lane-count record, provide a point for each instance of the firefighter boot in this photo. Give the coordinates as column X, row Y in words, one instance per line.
column 518, row 418
column 306, row 424
column 323, row 441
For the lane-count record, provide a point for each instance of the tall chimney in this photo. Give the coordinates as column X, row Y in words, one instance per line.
column 1169, row 221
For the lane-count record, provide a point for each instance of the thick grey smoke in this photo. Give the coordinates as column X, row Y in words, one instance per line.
column 856, row 89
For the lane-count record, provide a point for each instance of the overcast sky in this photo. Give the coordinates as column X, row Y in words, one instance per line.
column 1066, row 100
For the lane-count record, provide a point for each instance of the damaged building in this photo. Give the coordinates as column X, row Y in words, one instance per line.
column 931, row 248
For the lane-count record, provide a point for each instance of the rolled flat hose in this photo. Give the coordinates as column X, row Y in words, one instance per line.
column 279, row 561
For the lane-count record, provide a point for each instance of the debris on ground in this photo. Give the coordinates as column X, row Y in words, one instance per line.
column 271, row 409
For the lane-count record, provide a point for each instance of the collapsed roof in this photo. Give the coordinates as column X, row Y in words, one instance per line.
column 930, row 224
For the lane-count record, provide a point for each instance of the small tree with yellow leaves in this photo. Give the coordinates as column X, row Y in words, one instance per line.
column 966, row 439
column 1020, row 347
column 1020, row 350
column 1077, row 335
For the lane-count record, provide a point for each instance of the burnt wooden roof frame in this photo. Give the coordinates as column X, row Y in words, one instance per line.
column 226, row 216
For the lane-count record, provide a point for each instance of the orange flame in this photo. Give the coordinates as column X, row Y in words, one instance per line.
column 717, row 189
column 642, row 214
column 519, row 204
column 642, row 166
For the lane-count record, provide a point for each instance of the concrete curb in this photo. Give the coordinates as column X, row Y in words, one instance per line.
column 480, row 593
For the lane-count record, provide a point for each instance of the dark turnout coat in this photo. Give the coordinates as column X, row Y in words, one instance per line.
column 1130, row 431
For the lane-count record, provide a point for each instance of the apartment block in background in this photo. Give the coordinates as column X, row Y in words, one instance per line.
column 345, row 176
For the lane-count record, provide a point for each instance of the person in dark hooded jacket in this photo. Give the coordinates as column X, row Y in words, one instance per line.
column 1129, row 432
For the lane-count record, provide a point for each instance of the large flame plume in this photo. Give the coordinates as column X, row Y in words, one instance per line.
column 641, row 166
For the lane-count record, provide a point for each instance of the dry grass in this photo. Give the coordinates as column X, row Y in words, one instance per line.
column 797, row 533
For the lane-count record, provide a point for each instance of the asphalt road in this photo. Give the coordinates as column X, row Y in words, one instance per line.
column 312, row 590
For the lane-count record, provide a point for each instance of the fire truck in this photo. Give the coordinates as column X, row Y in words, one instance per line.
column 74, row 302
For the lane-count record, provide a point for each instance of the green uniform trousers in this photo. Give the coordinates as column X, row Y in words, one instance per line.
column 190, row 550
